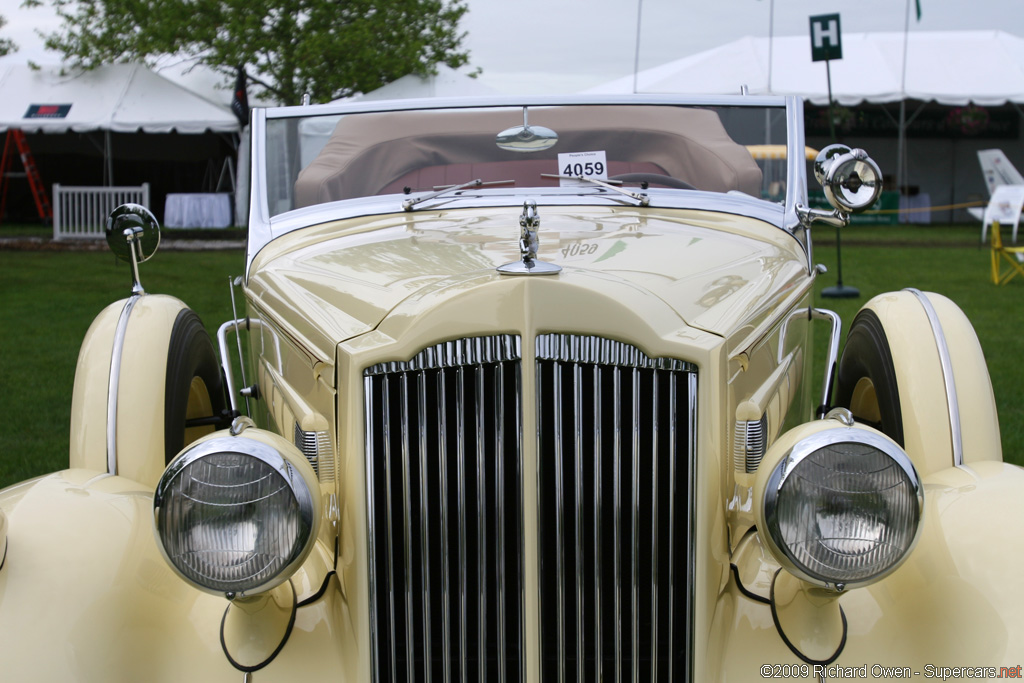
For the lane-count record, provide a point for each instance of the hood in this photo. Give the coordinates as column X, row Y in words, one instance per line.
column 718, row 272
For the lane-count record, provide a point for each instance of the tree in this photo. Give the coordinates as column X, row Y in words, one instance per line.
column 7, row 45
column 326, row 48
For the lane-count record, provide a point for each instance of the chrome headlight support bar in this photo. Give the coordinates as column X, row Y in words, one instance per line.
column 832, row 359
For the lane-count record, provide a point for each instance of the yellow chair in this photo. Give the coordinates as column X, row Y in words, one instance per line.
column 1009, row 254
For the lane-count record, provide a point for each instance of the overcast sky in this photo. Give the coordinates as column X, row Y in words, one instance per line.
column 553, row 46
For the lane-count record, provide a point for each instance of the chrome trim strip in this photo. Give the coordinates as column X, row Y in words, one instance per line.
column 368, row 412
column 577, row 398
column 407, row 524
column 114, row 382
column 520, row 510
column 460, row 416
column 481, row 524
column 654, row 530
column 672, row 432
column 386, row 395
column 634, row 572
column 598, row 594
column 952, row 401
column 691, row 497
column 556, row 392
column 518, row 102
column 499, row 522
column 617, row 479
column 442, row 463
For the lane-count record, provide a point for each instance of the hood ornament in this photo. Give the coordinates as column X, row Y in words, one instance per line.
column 529, row 222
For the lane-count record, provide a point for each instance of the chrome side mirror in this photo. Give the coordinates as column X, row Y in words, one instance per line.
column 133, row 234
column 851, row 180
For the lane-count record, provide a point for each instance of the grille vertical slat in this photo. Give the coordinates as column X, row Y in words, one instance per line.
column 407, row 530
column 577, row 397
column 601, row 409
column 559, row 526
column 442, row 468
column 672, row 431
column 598, row 539
column 370, row 408
column 438, row 431
column 617, row 441
column 391, row 544
column 460, row 483
column 421, row 434
column 481, row 528
column 634, row 573
column 654, row 529
column 499, row 451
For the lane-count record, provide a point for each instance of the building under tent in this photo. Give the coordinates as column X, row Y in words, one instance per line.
column 955, row 92
column 116, row 125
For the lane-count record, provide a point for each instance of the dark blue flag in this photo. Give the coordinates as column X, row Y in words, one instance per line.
column 240, row 100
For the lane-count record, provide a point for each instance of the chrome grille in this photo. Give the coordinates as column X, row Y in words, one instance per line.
column 445, row 489
column 615, row 442
column 444, row 486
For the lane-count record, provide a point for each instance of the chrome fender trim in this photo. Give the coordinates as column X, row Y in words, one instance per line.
column 947, row 375
column 114, row 383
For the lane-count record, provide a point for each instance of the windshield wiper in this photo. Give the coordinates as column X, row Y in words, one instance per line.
column 410, row 204
column 640, row 197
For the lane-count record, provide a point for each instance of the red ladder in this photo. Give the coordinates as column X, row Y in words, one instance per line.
column 16, row 140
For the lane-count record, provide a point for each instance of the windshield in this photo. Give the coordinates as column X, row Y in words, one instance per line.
column 656, row 150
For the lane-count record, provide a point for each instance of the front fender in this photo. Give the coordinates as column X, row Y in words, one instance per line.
column 957, row 601
column 86, row 596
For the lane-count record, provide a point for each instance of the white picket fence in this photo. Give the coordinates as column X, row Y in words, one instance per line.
column 81, row 212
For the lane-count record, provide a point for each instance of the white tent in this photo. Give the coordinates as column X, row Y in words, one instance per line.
column 447, row 82
column 120, row 98
column 949, row 67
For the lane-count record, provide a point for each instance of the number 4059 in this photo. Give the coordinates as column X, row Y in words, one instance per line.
column 588, row 168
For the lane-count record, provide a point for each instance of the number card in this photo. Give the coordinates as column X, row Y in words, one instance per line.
column 590, row 164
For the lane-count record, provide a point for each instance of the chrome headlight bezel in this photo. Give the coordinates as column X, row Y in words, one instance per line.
column 271, row 454
column 798, row 457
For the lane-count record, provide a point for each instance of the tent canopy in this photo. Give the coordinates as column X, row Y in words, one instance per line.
column 447, row 82
column 122, row 98
column 950, row 67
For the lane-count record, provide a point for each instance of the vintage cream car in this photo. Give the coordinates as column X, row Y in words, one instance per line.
column 523, row 391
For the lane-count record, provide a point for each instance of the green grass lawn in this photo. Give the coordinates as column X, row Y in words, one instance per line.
column 47, row 302
column 48, row 299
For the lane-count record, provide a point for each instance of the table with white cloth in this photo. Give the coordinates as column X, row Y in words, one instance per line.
column 198, row 210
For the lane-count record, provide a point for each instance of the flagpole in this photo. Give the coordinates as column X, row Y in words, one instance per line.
column 901, row 146
column 771, row 34
column 636, row 55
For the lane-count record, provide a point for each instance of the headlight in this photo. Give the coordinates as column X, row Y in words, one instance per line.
column 234, row 516
column 842, row 507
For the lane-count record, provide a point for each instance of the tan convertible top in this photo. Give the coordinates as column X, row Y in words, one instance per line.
column 368, row 153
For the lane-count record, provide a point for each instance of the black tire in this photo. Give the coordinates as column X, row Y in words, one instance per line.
column 866, row 365
column 190, row 357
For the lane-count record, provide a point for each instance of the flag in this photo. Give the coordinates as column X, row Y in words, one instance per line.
column 917, row 6
column 240, row 100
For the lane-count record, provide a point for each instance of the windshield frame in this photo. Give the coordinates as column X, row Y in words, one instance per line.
column 264, row 227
